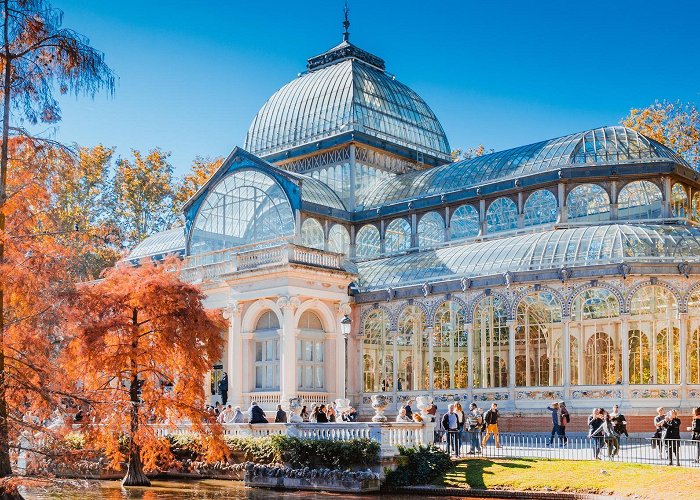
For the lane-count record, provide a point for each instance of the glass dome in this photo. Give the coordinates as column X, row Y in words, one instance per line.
column 346, row 90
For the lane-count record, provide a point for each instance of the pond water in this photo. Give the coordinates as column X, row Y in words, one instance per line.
column 173, row 490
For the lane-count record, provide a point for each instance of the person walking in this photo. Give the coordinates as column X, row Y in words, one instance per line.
column 565, row 418
column 619, row 421
column 280, row 416
column 223, row 388
column 610, row 437
column 595, row 431
column 449, row 423
column 656, row 440
column 672, row 435
column 556, row 419
column 491, row 420
column 474, row 421
column 695, row 429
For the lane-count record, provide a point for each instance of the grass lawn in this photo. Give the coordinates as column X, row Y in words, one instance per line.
column 642, row 481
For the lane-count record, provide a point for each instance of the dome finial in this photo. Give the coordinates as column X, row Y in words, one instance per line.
column 346, row 22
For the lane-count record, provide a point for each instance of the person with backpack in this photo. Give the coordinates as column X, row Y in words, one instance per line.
column 595, row 431
column 474, row 422
column 565, row 419
column 491, row 421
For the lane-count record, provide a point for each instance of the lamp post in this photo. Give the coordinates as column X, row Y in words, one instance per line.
column 345, row 325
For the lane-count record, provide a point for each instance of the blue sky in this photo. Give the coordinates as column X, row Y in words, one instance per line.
column 192, row 74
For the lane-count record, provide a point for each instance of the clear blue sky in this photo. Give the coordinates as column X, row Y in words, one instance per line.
column 192, row 74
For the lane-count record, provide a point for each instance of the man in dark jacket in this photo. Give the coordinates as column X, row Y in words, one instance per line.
column 449, row 423
column 491, row 421
column 223, row 388
column 556, row 419
column 256, row 415
column 409, row 411
column 281, row 416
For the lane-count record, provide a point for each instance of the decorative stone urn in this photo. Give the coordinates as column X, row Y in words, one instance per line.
column 379, row 403
column 424, row 403
column 341, row 406
column 295, row 406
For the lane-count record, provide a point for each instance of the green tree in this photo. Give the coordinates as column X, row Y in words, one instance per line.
column 38, row 56
column 676, row 125
column 201, row 171
column 143, row 195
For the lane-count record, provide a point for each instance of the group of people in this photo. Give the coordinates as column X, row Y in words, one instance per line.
column 667, row 434
column 474, row 422
column 324, row 414
column 560, row 417
column 605, row 429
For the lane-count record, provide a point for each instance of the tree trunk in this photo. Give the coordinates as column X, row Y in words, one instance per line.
column 134, row 472
column 5, row 465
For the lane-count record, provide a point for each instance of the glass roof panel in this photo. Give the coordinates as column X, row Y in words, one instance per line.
column 167, row 242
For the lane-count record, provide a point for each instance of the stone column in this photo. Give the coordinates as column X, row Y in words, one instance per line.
column 482, row 218
column 234, row 354
column 395, row 368
column 625, row 346
column 414, row 231
column 288, row 348
column 666, row 210
column 566, row 347
column 382, row 240
column 613, row 200
column 470, row 356
column 683, row 346
column 353, row 179
column 448, row 226
column 521, row 213
column 562, row 212
column 511, row 354
column 431, row 368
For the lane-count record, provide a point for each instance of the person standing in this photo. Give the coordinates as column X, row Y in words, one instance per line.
column 449, row 423
column 695, row 429
column 595, row 431
column 461, row 419
column 656, row 441
column 672, row 435
column 474, row 422
column 280, row 416
column 556, row 418
column 565, row 419
column 409, row 410
column 223, row 388
column 619, row 421
column 491, row 420
column 610, row 437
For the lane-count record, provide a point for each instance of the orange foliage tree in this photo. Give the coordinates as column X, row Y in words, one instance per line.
column 143, row 344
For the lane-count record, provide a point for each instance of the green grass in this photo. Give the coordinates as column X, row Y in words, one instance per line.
column 634, row 480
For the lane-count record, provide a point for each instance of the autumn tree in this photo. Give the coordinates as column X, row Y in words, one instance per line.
column 38, row 57
column 143, row 345
column 469, row 153
column 201, row 171
column 677, row 125
column 143, row 195
column 84, row 201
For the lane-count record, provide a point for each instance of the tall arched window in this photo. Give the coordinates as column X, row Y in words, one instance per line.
column 367, row 244
column 679, row 201
column 594, row 310
column 654, row 312
column 501, row 215
column 379, row 351
column 490, row 343
column 339, row 239
column 431, row 230
column 602, row 361
column 537, row 329
column 540, row 208
column 640, row 358
column 310, row 352
column 397, row 236
column 312, row 234
column 573, row 358
column 450, row 344
column 588, row 202
column 693, row 350
column 244, row 207
column 639, row 200
column 464, row 222
column 267, row 352
column 412, row 355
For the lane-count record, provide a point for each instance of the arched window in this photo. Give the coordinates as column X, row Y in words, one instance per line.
column 490, row 343
column 501, row 215
column 640, row 358
column 441, row 373
column 654, row 312
column 594, row 310
column 411, row 349
column 464, row 222
column 397, row 236
column 267, row 352
column 601, row 360
column 367, row 243
column 588, row 202
column 312, row 234
column 339, row 240
column 537, row 329
column 639, row 200
column 310, row 352
column 431, row 230
column 693, row 352
column 573, row 358
column 540, row 208
column 378, row 345
column 695, row 213
column 244, row 207
column 679, row 201
column 450, row 341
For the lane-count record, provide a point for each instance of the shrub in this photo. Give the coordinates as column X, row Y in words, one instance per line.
column 422, row 465
column 331, row 454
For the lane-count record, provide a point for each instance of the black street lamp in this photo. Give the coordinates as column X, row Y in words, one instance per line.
column 345, row 325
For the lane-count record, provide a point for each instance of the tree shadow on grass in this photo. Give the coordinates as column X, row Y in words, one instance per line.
column 471, row 473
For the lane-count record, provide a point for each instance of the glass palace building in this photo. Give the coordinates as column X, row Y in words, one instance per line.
column 560, row 270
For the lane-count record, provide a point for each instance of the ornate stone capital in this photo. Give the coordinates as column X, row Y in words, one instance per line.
column 288, row 303
column 232, row 309
column 344, row 309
